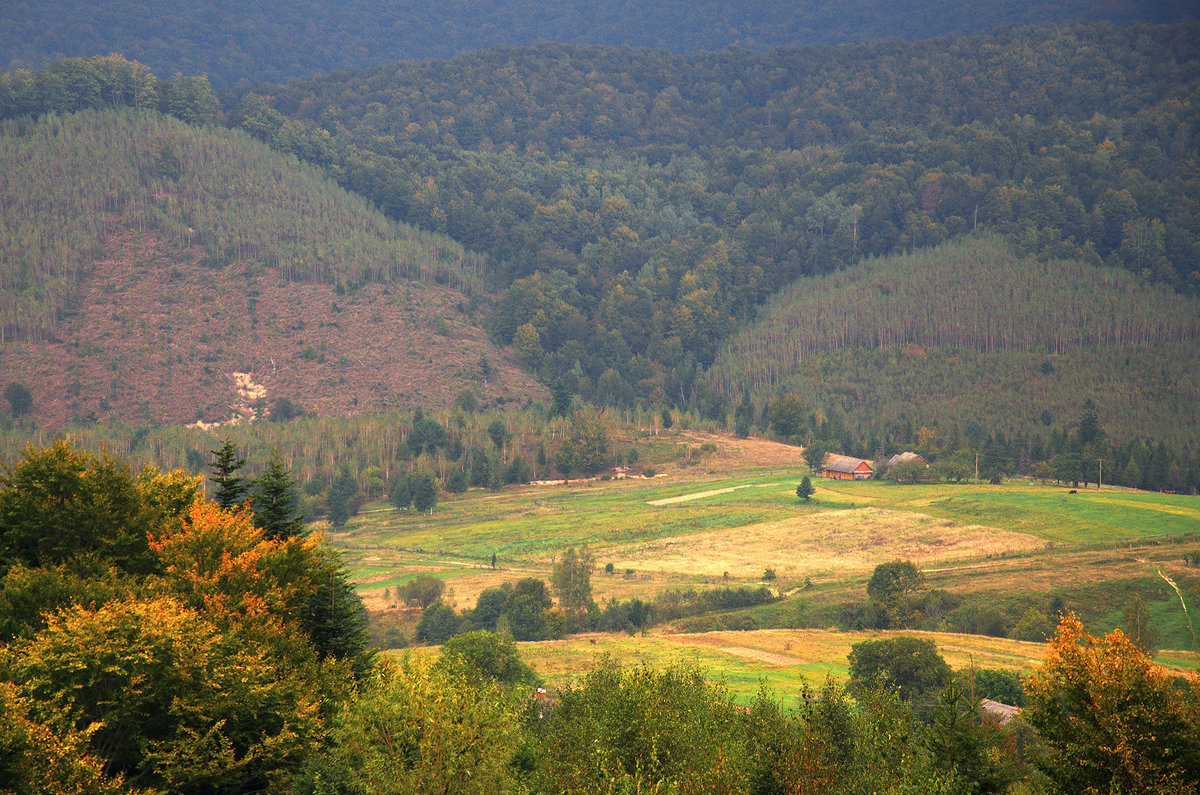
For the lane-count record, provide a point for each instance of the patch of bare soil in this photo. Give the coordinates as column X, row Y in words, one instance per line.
column 736, row 453
column 159, row 338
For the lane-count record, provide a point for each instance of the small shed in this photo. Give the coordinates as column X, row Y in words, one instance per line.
column 844, row 467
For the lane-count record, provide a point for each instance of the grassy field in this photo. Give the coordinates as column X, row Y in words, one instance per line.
column 783, row 660
column 727, row 525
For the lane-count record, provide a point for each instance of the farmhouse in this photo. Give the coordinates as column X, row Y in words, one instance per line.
column 900, row 458
column 844, row 467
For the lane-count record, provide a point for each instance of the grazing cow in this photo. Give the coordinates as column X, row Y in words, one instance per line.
column 1072, row 491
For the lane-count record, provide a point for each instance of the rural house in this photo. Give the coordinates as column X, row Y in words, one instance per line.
column 844, row 467
column 900, row 458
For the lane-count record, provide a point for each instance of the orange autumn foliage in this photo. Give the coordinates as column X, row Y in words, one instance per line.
column 1111, row 719
column 217, row 561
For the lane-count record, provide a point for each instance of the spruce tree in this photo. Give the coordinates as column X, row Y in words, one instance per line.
column 232, row 489
column 342, row 492
column 805, row 489
column 1089, row 424
column 425, row 492
column 275, row 501
column 743, row 416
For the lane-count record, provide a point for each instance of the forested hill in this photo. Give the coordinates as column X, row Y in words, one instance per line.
column 236, row 42
column 145, row 261
column 641, row 205
column 968, row 333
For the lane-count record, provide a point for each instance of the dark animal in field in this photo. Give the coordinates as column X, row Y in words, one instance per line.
column 1072, row 491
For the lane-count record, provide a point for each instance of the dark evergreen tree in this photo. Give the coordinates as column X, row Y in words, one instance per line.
column 427, row 433
column 562, row 398
column 20, row 399
column 499, row 434
column 457, row 481
column 805, row 489
column 335, row 619
column 425, row 491
column 342, row 492
column 1089, row 423
column 232, row 489
column 401, row 494
column 275, row 501
column 743, row 416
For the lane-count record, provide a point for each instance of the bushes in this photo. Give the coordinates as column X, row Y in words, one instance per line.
column 641, row 730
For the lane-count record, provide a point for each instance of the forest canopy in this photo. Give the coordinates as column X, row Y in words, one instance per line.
column 236, row 42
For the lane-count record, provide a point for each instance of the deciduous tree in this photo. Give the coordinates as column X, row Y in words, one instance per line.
column 1110, row 719
column 572, row 581
column 893, row 588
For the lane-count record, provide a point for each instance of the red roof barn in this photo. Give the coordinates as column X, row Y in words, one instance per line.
column 844, row 467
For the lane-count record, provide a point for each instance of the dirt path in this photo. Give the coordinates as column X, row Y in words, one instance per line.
column 764, row 656
column 699, row 495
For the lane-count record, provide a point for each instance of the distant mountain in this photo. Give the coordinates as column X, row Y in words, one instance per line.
column 970, row 332
column 146, row 263
column 273, row 41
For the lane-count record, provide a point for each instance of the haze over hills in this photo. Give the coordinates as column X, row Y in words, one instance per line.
column 159, row 259
column 274, row 41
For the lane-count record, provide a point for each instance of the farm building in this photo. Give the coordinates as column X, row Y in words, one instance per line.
column 900, row 458
column 844, row 467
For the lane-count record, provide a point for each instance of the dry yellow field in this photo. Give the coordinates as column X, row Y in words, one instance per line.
column 781, row 659
column 826, row 544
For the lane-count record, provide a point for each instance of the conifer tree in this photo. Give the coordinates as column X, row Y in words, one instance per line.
column 275, row 509
column 232, row 488
column 1089, row 424
column 805, row 489
column 342, row 492
column 425, row 492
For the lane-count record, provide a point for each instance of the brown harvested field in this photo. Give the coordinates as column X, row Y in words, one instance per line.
column 830, row 543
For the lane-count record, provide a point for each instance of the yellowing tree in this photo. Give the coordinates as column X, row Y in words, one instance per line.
column 167, row 699
column 1112, row 720
column 417, row 728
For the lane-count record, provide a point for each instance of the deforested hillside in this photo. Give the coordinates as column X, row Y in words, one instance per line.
column 67, row 183
column 971, row 332
column 145, row 262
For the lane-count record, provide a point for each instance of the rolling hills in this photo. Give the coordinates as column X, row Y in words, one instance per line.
column 233, row 42
column 970, row 331
column 147, row 262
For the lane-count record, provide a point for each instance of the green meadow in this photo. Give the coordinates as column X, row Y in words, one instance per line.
column 1004, row 546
